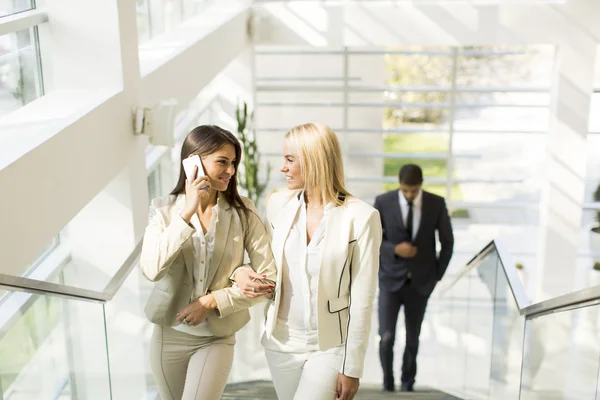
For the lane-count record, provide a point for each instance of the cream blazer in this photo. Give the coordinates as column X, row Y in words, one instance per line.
column 348, row 275
column 167, row 259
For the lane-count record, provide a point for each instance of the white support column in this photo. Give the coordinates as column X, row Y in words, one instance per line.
column 563, row 191
column 94, row 45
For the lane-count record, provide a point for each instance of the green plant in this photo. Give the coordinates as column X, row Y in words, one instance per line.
column 597, row 266
column 597, row 199
column 249, row 179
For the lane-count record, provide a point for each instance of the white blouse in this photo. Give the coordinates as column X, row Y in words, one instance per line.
column 297, row 317
column 204, row 245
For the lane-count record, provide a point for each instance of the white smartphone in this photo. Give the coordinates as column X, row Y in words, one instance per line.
column 188, row 167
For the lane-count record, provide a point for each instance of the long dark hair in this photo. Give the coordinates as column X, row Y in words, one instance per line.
column 204, row 140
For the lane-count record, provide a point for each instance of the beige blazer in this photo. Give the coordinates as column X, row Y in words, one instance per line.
column 347, row 278
column 167, row 259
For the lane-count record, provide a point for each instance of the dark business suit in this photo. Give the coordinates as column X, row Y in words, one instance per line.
column 396, row 288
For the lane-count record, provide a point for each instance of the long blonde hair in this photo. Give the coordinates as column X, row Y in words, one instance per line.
column 321, row 161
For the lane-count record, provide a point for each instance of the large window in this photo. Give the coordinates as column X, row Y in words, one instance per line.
column 462, row 113
column 474, row 118
column 9, row 7
column 20, row 70
column 155, row 17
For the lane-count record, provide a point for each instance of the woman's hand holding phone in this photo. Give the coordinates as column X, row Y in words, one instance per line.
column 196, row 187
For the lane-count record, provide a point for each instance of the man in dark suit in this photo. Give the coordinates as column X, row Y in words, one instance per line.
column 409, row 266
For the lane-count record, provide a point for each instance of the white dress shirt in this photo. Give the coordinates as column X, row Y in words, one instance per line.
column 417, row 211
column 297, row 319
column 204, row 245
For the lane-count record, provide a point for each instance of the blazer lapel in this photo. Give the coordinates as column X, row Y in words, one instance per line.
column 282, row 227
column 223, row 222
column 396, row 210
column 188, row 248
column 337, row 239
column 424, row 205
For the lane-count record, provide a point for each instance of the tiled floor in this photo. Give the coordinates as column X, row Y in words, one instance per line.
column 263, row 390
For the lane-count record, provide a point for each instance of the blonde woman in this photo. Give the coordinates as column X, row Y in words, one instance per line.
column 326, row 245
column 195, row 240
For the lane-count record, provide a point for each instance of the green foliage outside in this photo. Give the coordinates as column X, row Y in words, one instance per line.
column 250, row 178
column 434, row 70
column 21, row 342
column 597, row 199
column 421, row 143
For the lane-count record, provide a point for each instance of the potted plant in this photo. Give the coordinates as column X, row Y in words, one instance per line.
column 596, row 229
column 249, row 179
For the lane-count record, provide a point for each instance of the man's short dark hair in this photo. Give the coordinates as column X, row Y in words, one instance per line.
column 411, row 174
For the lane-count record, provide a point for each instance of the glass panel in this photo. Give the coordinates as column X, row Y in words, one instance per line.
column 561, row 356
column 155, row 17
column 492, row 66
column 479, row 332
column 508, row 331
column 478, row 335
column 129, row 334
column 421, row 68
column 143, row 21
column 20, row 74
column 154, row 187
column 450, row 324
column 507, row 189
column 503, row 119
column 8, row 7
column 51, row 348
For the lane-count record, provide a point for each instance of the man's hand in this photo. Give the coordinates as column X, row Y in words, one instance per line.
column 347, row 387
column 405, row 250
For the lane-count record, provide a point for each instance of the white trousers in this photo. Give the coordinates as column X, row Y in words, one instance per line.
column 308, row 375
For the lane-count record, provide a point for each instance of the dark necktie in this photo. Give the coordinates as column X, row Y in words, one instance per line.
column 409, row 222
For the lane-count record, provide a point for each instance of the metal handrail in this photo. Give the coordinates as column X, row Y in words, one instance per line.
column 510, row 272
column 17, row 283
column 582, row 298
column 574, row 300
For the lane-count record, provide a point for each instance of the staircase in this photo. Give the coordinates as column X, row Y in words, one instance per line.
column 263, row 390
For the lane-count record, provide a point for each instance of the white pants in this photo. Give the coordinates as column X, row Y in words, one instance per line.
column 308, row 375
column 188, row 367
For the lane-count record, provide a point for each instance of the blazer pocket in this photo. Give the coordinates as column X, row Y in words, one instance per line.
column 339, row 304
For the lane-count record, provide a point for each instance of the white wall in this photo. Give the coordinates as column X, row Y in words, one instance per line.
column 52, row 166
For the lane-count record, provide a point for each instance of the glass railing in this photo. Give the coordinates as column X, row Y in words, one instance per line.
column 64, row 342
column 480, row 330
column 52, row 347
column 563, row 335
column 501, row 347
